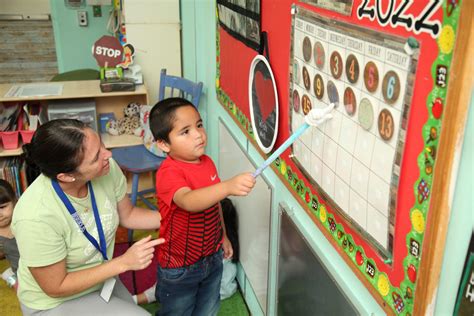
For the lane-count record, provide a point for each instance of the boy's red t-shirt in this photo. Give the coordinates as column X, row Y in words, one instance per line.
column 189, row 236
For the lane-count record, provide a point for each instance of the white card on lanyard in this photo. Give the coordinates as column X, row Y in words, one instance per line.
column 107, row 289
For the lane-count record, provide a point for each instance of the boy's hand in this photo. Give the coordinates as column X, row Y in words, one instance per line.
column 228, row 250
column 241, row 185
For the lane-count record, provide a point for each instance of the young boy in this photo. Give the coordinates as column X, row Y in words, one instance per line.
column 188, row 191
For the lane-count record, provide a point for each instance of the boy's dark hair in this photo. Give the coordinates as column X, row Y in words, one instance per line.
column 231, row 226
column 162, row 116
column 56, row 147
column 6, row 192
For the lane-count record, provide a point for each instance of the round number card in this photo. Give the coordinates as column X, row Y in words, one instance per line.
column 263, row 100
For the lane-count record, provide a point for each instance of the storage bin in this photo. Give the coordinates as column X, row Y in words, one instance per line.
column 81, row 109
column 26, row 136
column 10, row 140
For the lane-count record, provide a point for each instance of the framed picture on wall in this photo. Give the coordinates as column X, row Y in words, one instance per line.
column 263, row 100
column 241, row 19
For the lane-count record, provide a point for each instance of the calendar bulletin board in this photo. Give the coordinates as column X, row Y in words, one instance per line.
column 366, row 177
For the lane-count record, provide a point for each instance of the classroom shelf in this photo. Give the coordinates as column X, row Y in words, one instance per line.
column 10, row 152
column 111, row 141
column 105, row 103
column 108, row 140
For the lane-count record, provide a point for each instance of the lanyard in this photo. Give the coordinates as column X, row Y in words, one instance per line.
column 103, row 246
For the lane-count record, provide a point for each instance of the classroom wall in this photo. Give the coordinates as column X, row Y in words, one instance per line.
column 73, row 42
column 199, row 45
column 24, row 7
column 199, row 62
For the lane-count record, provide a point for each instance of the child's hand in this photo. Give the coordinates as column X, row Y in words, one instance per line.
column 139, row 255
column 242, row 184
column 228, row 250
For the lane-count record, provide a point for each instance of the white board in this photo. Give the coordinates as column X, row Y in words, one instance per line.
column 253, row 215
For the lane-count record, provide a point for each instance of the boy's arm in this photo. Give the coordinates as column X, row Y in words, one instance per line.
column 227, row 246
column 201, row 199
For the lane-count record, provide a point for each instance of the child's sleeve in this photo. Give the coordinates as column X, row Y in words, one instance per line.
column 168, row 181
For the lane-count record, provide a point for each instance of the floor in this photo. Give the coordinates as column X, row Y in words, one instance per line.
column 233, row 306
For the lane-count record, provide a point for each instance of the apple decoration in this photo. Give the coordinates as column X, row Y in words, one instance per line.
column 437, row 108
column 411, row 271
column 359, row 258
column 307, row 197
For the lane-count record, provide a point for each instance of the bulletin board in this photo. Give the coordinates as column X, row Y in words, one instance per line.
column 366, row 176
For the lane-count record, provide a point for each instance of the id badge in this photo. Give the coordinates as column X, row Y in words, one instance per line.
column 107, row 289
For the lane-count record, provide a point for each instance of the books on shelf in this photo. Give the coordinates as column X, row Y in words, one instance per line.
column 13, row 170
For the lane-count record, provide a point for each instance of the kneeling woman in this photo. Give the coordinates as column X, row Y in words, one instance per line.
column 65, row 225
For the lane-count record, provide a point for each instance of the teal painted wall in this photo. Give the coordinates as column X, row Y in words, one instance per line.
column 73, row 42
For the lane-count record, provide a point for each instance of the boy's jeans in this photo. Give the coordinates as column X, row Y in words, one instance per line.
column 192, row 290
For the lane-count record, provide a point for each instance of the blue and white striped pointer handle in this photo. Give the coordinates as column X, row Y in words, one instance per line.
column 315, row 117
column 281, row 149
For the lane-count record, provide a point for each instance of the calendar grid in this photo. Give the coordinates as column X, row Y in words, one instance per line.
column 354, row 158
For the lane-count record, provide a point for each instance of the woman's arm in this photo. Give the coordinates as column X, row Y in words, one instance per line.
column 55, row 281
column 136, row 217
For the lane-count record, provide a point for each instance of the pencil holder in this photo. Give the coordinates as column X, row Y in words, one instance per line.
column 26, row 136
column 10, row 140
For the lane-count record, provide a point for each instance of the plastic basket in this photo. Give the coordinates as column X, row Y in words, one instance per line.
column 26, row 136
column 10, row 140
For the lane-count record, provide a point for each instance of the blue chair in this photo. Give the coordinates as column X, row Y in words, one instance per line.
column 138, row 159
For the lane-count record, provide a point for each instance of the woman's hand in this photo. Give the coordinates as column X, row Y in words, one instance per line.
column 140, row 254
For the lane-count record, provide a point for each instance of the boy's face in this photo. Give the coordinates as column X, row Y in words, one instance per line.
column 188, row 138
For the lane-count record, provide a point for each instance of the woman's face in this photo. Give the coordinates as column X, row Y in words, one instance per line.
column 95, row 162
column 6, row 212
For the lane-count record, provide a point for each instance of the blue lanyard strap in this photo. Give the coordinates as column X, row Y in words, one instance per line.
column 103, row 246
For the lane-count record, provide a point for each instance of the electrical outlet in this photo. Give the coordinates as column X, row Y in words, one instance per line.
column 82, row 18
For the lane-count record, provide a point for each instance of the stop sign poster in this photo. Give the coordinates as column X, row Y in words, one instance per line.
column 107, row 51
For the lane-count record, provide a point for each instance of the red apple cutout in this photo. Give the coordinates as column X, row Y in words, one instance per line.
column 359, row 258
column 437, row 108
column 411, row 271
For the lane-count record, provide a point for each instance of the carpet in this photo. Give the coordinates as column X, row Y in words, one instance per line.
column 232, row 306
column 9, row 304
